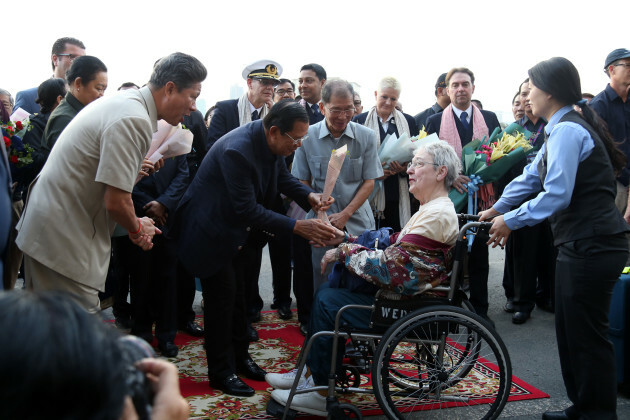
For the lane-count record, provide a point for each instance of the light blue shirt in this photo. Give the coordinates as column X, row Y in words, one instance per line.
column 360, row 164
column 568, row 144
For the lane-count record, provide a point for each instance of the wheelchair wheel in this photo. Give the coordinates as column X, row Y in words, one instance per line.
column 441, row 357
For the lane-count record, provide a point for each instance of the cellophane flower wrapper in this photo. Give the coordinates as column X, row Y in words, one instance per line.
column 334, row 168
column 475, row 163
column 401, row 149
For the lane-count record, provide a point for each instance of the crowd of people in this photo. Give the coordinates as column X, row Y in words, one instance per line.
column 92, row 216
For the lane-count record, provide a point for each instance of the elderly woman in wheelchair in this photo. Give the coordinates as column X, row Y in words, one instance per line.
column 418, row 259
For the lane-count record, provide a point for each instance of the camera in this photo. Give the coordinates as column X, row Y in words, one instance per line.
column 139, row 387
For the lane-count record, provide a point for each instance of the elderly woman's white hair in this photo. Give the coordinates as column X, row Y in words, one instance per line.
column 443, row 154
column 389, row 82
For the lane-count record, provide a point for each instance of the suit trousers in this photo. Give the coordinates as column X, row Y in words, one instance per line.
column 478, row 269
column 280, row 250
column 586, row 272
column 303, row 278
column 251, row 255
column 225, row 320
column 185, row 295
column 530, row 260
column 153, row 289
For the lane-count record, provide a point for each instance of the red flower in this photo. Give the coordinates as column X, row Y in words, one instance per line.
column 7, row 141
column 18, row 125
column 14, row 159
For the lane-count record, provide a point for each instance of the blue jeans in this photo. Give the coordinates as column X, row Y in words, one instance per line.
column 326, row 304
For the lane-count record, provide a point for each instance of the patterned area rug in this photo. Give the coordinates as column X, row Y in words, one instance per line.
column 276, row 351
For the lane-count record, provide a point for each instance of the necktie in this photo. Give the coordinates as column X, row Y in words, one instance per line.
column 315, row 109
column 464, row 118
column 255, row 115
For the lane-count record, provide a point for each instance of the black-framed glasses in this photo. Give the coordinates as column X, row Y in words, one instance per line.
column 622, row 64
column 419, row 164
column 283, row 92
column 70, row 56
column 268, row 82
column 296, row 141
column 338, row 112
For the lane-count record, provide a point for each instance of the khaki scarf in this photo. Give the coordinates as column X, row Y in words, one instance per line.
column 244, row 110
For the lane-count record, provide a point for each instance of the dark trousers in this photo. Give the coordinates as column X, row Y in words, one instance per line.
column 586, row 273
column 225, row 320
column 251, row 256
column 302, row 278
column 478, row 269
column 119, row 274
column 153, row 289
column 280, row 250
column 530, row 260
column 185, row 295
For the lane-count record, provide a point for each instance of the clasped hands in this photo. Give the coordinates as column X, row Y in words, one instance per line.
column 144, row 237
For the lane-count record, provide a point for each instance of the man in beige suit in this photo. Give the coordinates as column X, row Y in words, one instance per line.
column 85, row 187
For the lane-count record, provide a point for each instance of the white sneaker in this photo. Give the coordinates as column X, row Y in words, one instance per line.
column 284, row 380
column 310, row 402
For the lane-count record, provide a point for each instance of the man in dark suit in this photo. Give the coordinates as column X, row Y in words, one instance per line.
column 64, row 51
column 230, row 197
column 460, row 84
column 310, row 84
column 261, row 76
column 442, row 101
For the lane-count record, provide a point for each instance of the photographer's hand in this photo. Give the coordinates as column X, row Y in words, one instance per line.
column 168, row 403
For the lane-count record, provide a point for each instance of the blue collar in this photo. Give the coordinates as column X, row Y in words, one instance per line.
column 555, row 118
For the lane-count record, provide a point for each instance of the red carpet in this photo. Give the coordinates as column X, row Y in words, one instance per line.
column 277, row 350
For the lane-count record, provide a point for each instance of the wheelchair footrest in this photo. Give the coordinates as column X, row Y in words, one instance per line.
column 276, row 410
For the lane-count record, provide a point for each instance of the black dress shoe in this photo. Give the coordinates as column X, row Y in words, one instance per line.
column 252, row 334
column 254, row 316
column 284, row 312
column 233, row 385
column 520, row 317
column 509, row 307
column 192, row 328
column 303, row 329
column 250, row 369
column 168, row 349
column 555, row 415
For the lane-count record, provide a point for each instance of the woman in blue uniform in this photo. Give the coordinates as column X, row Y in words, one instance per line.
column 574, row 178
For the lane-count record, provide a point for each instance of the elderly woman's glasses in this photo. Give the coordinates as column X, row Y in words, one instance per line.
column 296, row 141
column 419, row 164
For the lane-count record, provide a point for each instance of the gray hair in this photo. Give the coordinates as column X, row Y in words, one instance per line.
column 182, row 69
column 443, row 154
column 336, row 87
column 7, row 93
column 389, row 82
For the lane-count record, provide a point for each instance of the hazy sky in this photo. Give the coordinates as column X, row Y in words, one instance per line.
column 361, row 41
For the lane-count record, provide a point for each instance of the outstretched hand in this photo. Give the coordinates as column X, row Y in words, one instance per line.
column 315, row 230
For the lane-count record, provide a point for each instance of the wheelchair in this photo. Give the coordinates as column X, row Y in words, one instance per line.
column 426, row 355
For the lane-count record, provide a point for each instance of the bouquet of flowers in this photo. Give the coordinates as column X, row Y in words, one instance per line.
column 19, row 154
column 334, row 168
column 486, row 160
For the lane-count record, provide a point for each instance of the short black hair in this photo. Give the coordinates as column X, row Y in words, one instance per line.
column 212, row 108
column 283, row 81
column 48, row 92
column 55, row 350
column 319, row 70
column 182, row 69
column 86, row 67
column 127, row 85
column 478, row 102
column 284, row 114
column 60, row 46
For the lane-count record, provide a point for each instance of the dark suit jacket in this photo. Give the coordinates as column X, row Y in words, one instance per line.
column 166, row 187
column 224, row 120
column 231, row 194
column 195, row 123
column 313, row 118
column 5, row 208
column 434, row 122
column 413, row 128
column 25, row 99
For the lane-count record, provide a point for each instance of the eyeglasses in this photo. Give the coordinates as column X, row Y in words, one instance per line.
column 622, row 64
column 296, row 141
column 357, row 102
column 419, row 164
column 267, row 82
column 283, row 92
column 338, row 112
column 70, row 56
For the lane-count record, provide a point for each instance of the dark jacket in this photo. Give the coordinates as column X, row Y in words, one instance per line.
column 231, row 194
column 195, row 123
column 434, row 122
column 224, row 120
column 59, row 119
